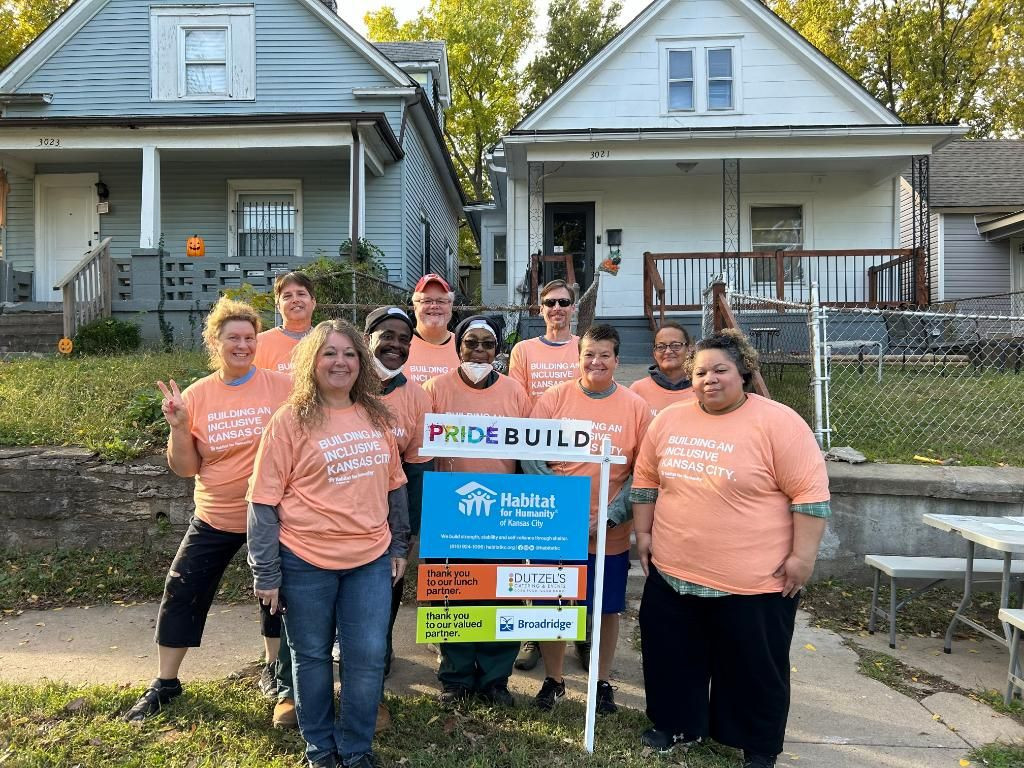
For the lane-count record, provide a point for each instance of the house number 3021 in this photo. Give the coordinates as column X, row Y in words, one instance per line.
column 49, row 141
column 600, row 154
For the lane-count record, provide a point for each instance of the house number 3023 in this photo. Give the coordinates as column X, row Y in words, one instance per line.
column 49, row 141
column 600, row 154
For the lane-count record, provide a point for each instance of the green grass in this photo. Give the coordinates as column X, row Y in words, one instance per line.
column 998, row 756
column 107, row 404
column 70, row 577
column 226, row 723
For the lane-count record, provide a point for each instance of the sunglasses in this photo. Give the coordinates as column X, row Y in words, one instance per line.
column 549, row 303
column 675, row 346
column 487, row 344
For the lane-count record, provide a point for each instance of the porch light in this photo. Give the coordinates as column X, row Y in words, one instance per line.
column 102, row 191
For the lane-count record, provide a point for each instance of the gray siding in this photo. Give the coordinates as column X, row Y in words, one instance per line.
column 384, row 218
column 424, row 192
column 973, row 267
column 21, row 226
column 302, row 66
column 908, row 210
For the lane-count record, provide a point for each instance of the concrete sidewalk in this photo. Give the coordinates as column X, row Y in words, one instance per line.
column 839, row 718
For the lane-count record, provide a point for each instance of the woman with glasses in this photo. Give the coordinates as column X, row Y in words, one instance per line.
column 433, row 351
column 475, row 388
column 668, row 379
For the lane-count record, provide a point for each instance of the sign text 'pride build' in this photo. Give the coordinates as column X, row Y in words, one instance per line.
column 468, row 435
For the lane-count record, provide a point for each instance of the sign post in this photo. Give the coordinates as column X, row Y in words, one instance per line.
column 526, row 524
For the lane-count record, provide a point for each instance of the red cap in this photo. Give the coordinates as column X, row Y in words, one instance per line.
column 430, row 277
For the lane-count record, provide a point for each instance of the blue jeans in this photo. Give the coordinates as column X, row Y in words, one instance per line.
column 355, row 604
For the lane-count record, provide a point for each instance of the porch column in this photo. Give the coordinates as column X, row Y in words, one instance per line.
column 357, row 191
column 536, row 212
column 149, row 226
column 730, row 218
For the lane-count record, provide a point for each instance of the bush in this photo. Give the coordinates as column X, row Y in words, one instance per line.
column 107, row 336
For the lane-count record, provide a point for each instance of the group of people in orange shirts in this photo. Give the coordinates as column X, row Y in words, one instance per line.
column 305, row 444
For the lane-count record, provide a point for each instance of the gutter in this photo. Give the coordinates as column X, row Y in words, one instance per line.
column 950, row 132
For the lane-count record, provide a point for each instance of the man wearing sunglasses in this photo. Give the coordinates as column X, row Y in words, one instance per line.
column 540, row 363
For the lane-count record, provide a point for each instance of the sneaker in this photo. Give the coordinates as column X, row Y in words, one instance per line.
column 452, row 695
column 152, row 701
column 383, row 718
column 754, row 760
column 285, row 715
column 363, row 761
column 605, row 698
column 498, row 695
column 529, row 655
column 327, row 761
column 663, row 741
column 583, row 654
column 268, row 680
column 549, row 694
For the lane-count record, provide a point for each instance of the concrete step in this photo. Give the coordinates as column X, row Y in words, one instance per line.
column 22, row 332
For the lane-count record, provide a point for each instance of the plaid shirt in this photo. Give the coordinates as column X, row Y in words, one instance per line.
column 650, row 495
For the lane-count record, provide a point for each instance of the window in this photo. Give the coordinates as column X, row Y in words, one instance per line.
column 680, row 80
column 719, row 78
column 777, row 228
column 500, row 276
column 206, row 61
column 202, row 53
column 266, row 220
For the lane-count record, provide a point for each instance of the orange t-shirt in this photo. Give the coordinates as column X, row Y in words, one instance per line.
column 623, row 417
column 659, row 398
column 226, row 424
column 428, row 360
column 330, row 486
column 274, row 350
column 726, row 484
column 409, row 403
column 538, row 366
column 450, row 394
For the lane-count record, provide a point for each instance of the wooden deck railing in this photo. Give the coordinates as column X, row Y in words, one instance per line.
column 536, row 260
column 87, row 289
column 673, row 282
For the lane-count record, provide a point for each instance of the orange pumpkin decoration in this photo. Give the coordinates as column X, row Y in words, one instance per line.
column 195, row 247
column 65, row 346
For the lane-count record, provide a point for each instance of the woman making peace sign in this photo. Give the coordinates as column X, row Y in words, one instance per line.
column 216, row 425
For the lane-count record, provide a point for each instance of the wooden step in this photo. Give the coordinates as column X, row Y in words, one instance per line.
column 22, row 332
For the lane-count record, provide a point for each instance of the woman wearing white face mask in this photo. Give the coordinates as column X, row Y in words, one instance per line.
column 475, row 388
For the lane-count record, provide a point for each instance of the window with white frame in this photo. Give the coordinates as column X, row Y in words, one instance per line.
column 500, row 276
column 202, row 53
column 777, row 228
column 266, row 220
column 680, row 80
column 720, row 78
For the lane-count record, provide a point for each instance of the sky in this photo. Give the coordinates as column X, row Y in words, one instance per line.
column 353, row 11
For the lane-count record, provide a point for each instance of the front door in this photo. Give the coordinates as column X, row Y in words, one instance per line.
column 67, row 227
column 569, row 228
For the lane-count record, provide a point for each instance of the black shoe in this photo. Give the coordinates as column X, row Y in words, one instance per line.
column 605, row 698
column 327, row 761
column 663, row 741
column 549, row 694
column 583, row 654
column 498, row 695
column 152, row 701
column 529, row 655
column 452, row 695
column 268, row 680
column 363, row 761
column 754, row 760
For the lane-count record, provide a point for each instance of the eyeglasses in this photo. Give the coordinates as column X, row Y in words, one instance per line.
column 488, row 344
column 433, row 302
column 675, row 346
column 549, row 303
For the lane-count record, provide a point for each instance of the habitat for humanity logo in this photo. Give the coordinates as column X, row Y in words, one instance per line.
column 476, row 500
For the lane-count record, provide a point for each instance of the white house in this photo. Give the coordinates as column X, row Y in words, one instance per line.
column 706, row 128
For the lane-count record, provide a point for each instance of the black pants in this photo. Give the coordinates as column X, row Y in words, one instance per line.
column 735, row 647
column 192, row 582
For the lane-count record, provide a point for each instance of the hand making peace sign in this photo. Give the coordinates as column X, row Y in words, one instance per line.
column 173, row 406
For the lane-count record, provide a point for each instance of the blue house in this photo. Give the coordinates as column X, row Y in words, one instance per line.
column 269, row 128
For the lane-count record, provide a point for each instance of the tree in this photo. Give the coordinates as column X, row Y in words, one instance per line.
column 485, row 39
column 577, row 29
column 929, row 61
column 21, row 21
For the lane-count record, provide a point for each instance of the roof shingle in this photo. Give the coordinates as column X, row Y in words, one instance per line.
column 978, row 173
column 415, row 50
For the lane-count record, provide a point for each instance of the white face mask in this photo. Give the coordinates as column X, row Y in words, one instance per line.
column 476, row 372
column 383, row 371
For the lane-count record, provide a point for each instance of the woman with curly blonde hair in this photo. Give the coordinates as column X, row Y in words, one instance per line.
column 329, row 535
column 215, row 429
column 730, row 497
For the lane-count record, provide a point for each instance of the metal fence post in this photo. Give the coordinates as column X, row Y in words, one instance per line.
column 816, row 352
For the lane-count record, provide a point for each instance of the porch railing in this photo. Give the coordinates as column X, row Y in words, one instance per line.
column 536, row 260
column 87, row 289
column 673, row 282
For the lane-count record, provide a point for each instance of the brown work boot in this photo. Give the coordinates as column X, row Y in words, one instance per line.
column 383, row 718
column 284, row 714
